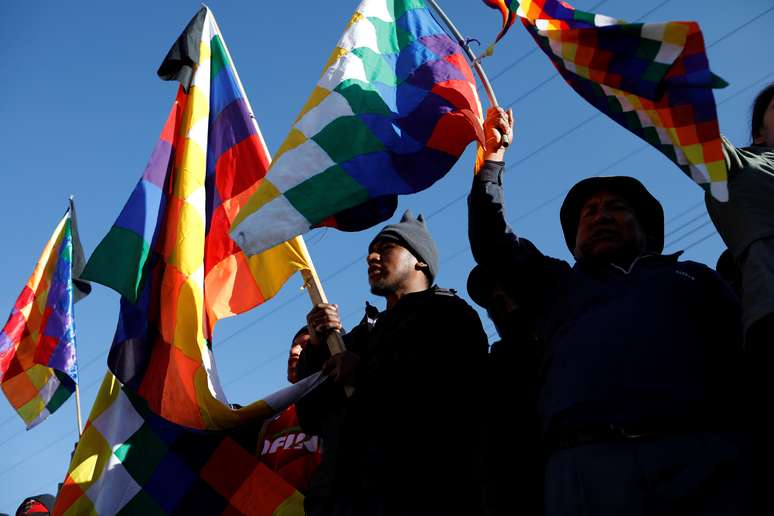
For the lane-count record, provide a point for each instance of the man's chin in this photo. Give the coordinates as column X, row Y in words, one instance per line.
column 379, row 290
column 379, row 287
column 603, row 251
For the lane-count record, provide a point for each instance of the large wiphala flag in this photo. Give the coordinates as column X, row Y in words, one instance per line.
column 131, row 461
column 169, row 253
column 395, row 107
column 651, row 78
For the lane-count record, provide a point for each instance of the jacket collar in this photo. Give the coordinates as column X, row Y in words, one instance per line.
column 649, row 257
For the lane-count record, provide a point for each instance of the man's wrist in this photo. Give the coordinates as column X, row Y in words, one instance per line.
column 498, row 155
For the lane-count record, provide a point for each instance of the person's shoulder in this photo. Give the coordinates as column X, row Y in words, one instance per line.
column 448, row 298
column 759, row 149
column 437, row 294
column 687, row 264
column 672, row 262
column 443, row 292
column 696, row 270
column 739, row 157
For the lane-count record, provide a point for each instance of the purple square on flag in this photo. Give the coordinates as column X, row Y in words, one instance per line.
column 440, row 45
column 413, row 58
column 420, row 123
column 159, row 164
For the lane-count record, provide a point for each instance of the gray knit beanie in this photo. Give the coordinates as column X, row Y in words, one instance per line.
column 412, row 234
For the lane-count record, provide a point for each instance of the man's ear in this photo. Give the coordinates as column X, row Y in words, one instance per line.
column 758, row 140
column 421, row 266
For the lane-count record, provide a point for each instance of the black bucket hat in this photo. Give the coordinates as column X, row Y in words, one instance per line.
column 649, row 211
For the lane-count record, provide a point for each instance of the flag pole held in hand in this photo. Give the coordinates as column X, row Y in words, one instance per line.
column 504, row 140
column 317, row 295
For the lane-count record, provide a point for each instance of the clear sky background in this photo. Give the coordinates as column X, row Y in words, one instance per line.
column 81, row 109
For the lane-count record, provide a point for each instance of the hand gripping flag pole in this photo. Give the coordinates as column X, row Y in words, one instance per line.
column 312, row 282
column 473, row 60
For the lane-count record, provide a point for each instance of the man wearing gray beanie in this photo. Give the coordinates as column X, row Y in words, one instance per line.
column 417, row 369
column 412, row 234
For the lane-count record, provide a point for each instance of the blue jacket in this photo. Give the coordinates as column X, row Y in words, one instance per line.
column 654, row 345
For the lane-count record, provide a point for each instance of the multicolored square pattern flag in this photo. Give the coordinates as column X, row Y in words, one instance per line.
column 651, row 78
column 38, row 368
column 395, row 107
column 131, row 461
column 169, row 253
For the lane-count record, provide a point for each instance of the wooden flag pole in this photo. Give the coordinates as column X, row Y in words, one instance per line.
column 317, row 295
column 78, row 417
column 311, row 280
column 473, row 60
column 78, row 409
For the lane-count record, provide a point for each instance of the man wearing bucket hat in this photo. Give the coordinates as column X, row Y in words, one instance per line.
column 407, row 441
column 639, row 388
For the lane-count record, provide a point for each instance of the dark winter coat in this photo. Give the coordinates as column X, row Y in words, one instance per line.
column 408, row 440
column 654, row 346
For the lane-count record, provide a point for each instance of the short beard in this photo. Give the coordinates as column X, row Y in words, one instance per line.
column 382, row 289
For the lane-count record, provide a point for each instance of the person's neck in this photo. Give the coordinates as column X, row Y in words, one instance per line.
column 412, row 287
column 625, row 262
column 623, row 259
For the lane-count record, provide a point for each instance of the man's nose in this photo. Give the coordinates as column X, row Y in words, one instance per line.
column 373, row 256
column 603, row 215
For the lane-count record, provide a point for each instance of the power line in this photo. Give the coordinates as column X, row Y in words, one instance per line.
column 532, row 90
column 688, row 210
column 36, row 453
column 699, row 241
column 656, row 8
column 250, row 371
column 691, row 221
column 740, row 27
column 694, row 230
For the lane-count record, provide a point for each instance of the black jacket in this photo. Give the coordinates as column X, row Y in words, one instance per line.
column 653, row 346
column 409, row 438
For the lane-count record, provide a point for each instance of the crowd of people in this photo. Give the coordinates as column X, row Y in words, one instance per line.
column 629, row 382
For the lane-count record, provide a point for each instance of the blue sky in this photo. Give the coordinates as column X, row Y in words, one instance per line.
column 81, row 108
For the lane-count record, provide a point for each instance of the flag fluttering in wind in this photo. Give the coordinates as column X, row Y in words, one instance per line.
column 38, row 368
column 395, row 107
column 652, row 78
column 509, row 15
column 169, row 253
column 131, row 461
